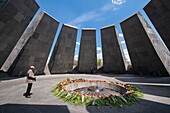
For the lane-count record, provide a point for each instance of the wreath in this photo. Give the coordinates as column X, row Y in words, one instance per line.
column 130, row 97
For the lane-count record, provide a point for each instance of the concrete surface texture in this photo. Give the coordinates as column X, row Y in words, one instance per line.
column 87, row 55
column 147, row 52
column 15, row 15
column 112, row 57
column 159, row 13
column 63, row 54
column 37, row 48
column 156, row 95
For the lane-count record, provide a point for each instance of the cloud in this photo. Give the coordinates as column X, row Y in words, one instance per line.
column 99, row 55
column 99, row 48
column 76, row 57
column 121, row 35
column 126, row 55
column 122, row 42
column 85, row 17
column 118, row 2
column 125, row 51
column 95, row 14
column 78, row 43
column 108, row 7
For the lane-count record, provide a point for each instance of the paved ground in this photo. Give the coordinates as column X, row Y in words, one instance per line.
column 156, row 89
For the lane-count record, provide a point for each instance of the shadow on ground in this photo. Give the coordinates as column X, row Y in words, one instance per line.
column 158, row 86
column 25, row 108
column 143, row 79
column 163, row 91
column 143, row 106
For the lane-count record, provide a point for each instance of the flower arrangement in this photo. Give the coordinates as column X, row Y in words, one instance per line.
column 129, row 98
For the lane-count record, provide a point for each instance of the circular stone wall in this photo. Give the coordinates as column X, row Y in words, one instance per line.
column 103, row 89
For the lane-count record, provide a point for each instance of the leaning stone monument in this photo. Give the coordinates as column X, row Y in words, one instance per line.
column 113, row 57
column 41, row 34
column 15, row 15
column 87, row 55
column 63, row 55
column 147, row 52
column 159, row 13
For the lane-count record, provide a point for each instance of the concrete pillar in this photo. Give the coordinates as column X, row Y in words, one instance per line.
column 147, row 52
column 113, row 61
column 87, row 55
column 63, row 55
column 40, row 36
column 159, row 13
column 15, row 15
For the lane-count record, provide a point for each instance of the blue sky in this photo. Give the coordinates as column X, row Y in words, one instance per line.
column 92, row 14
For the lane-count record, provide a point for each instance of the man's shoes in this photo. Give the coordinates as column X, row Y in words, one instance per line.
column 27, row 96
column 30, row 93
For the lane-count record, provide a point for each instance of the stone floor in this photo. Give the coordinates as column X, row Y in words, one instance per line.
column 156, row 91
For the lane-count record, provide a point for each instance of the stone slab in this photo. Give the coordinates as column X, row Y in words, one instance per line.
column 147, row 53
column 159, row 13
column 63, row 55
column 15, row 15
column 87, row 55
column 38, row 39
column 113, row 56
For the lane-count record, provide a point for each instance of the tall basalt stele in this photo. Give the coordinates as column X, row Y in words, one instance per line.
column 41, row 34
column 63, row 55
column 147, row 52
column 15, row 15
column 113, row 56
column 158, row 12
column 87, row 60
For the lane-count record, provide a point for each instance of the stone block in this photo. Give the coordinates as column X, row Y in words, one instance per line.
column 113, row 56
column 34, row 46
column 87, row 55
column 158, row 12
column 63, row 55
column 13, row 22
column 147, row 52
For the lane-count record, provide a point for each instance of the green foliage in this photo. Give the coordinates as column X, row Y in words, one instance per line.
column 99, row 62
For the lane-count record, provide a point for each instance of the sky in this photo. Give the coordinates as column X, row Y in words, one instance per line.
column 92, row 14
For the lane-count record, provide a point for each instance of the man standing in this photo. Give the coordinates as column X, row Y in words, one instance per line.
column 30, row 79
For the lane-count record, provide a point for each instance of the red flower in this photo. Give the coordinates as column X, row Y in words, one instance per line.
column 110, row 95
